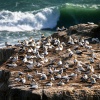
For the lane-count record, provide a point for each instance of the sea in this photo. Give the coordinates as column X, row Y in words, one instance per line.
column 21, row 19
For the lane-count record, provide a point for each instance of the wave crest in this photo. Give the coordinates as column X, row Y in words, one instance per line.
column 28, row 21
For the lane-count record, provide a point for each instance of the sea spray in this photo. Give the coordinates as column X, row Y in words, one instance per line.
column 28, row 21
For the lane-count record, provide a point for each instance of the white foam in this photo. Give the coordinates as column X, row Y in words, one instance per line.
column 28, row 21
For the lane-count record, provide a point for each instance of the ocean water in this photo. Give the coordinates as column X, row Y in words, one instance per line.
column 20, row 19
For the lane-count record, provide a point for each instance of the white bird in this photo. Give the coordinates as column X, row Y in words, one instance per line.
column 58, row 76
column 17, row 79
column 78, row 51
column 39, row 56
column 80, row 44
column 91, row 60
column 45, row 50
column 7, row 45
column 15, row 58
column 30, row 66
column 12, row 65
column 86, row 42
column 95, row 40
column 93, row 55
column 70, row 40
column 37, row 73
column 66, row 65
column 84, row 78
column 55, row 70
column 58, row 29
column 34, row 84
column 81, row 68
column 75, row 40
column 65, row 77
column 30, row 50
column 70, row 53
column 60, row 62
column 49, row 84
column 25, row 58
column 23, row 80
column 75, row 60
column 61, row 83
column 29, row 76
column 43, row 76
column 93, row 80
column 39, row 64
column 50, row 70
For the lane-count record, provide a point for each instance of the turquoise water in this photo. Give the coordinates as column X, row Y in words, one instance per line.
column 19, row 18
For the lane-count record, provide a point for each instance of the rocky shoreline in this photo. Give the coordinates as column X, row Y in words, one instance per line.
column 74, row 90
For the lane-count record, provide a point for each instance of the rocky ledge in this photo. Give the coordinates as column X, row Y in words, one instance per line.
column 66, row 70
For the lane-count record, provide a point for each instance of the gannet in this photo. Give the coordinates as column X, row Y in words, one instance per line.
column 37, row 73
column 25, row 58
column 30, row 39
column 39, row 56
column 76, row 47
column 49, row 84
column 52, row 78
column 42, row 36
column 70, row 53
column 55, row 70
column 45, row 50
column 15, row 58
column 93, row 80
column 65, row 77
column 59, row 48
column 75, row 40
column 30, row 66
column 43, row 76
column 95, row 40
column 78, row 51
column 7, row 45
column 86, row 42
column 34, row 50
column 56, row 42
column 91, row 60
column 61, row 83
column 80, row 44
column 39, row 64
column 58, row 76
column 34, row 84
column 87, row 46
column 30, row 50
column 19, row 44
column 61, row 71
column 81, row 68
column 73, row 75
column 29, row 76
column 50, row 70
column 66, row 66
column 32, row 43
column 63, row 28
column 70, row 40
column 82, row 40
column 23, row 80
column 12, row 65
column 60, row 62
column 75, row 60
column 84, row 78
column 93, row 55
column 90, row 68
column 25, row 43
column 17, row 79
column 58, row 29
